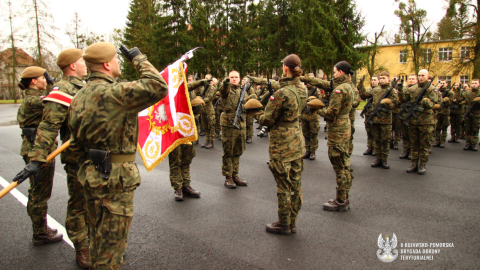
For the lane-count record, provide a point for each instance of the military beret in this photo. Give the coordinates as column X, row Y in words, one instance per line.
column 68, row 56
column 476, row 99
column 447, row 99
column 32, row 72
column 197, row 101
column 312, row 97
column 386, row 101
column 253, row 104
column 436, row 107
column 315, row 104
column 100, row 52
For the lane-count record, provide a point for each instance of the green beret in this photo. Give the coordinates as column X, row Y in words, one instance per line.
column 68, row 56
column 100, row 52
column 32, row 72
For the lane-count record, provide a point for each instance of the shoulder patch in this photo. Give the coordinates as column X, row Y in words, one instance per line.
column 338, row 91
column 435, row 90
column 272, row 98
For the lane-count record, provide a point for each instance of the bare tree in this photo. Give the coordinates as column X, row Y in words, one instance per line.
column 75, row 32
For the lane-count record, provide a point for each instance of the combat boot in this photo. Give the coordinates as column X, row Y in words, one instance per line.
column 335, row 205
column 83, row 258
column 413, row 168
column 209, row 145
column 293, row 228
column 395, row 145
column 229, row 182
column 467, row 147
column 190, row 192
column 239, row 181
column 249, row 140
column 178, row 194
column 377, row 163
column 456, row 140
column 368, row 152
column 47, row 238
column 473, row 147
column 312, row 156
column 373, row 153
column 404, row 155
column 384, row 164
column 421, row 169
column 306, row 155
column 325, row 128
column 463, row 137
column 442, row 145
column 436, row 143
column 279, row 229
column 202, row 133
column 205, row 144
column 452, row 139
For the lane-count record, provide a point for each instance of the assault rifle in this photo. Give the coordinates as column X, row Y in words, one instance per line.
column 239, row 110
column 414, row 106
column 474, row 106
column 446, row 92
column 206, row 86
column 367, row 107
column 378, row 108
column 306, row 109
column 454, row 105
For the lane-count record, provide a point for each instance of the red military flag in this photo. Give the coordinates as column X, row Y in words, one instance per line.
column 170, row 122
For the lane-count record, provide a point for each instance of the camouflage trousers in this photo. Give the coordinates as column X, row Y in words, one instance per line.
column 249, row 123
column 368, row 128
column 310, row 131
column 382, row 135
column 421, row 138
column 179, row 161
column 76, row 220
column 339, row 158
column 197, row 123
column 462, row 127
column 38, row 195
column 233, row 144
column 456, row 125
column 396, row 128
column 407, row 146
column 288, row 176
column 208, row 126
column 472, row 125
column 218, row 128
column 441, row 128
column 352, row 131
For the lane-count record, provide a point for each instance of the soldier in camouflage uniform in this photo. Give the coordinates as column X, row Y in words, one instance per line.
column 282, row 114
column 208, row 113
column 218, row 109
column 382, row 126
column 420, row 129
column 462, row 125
column 180, row 158
column 368, row 111
column 443, row 114
column 55, row 120
column 311, row 124
column 456, row 116
column 111, row 109
column 233, row 140
column 249, row 122
column 34, row 82
column 351, row 115
column 472, row 123
column 396, row 125
column 412, row 81
column 338, row 131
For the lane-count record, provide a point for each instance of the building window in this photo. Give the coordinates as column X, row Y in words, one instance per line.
column 464, row 53
column 464, row 79
column 402, row 56
column 427, row 55
column 403, row 77
column 446, row 78
column 445, row 54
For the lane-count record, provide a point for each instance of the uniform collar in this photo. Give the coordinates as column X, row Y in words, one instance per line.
column 341, row 79
column 33, row 92
column 78, row 82
column 100, row 75
column 289, row 80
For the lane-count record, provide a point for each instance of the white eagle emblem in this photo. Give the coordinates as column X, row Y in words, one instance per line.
column 161, row 114
column 387, row 246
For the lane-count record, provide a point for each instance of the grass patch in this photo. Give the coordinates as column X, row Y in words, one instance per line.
column 362, row 104
column 10, row 101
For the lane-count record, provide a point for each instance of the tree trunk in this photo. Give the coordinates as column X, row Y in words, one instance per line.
column 14, row 55
column 39, row 48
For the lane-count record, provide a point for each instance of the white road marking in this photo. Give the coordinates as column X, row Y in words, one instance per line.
column 52, row 223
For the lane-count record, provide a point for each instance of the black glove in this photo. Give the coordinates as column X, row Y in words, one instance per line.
column 226, row 83
column 49, row 79
column 130, row 54
column 206, row 81
column 33, row 168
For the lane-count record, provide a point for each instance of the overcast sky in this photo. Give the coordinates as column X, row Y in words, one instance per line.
column 102, row 16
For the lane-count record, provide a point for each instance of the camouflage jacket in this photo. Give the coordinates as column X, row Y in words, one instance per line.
column 467, row 98
column 229, row 98
column 456, row 106
column 30, row 115
column 192, row 86
column 386, row 111
column 209, row 97
column 312, row 114
column 104, row 115
column 361, row 89
column 55, row 119
column 427, row 116
column 283, row 109
column 445, row 109
column 356, row 101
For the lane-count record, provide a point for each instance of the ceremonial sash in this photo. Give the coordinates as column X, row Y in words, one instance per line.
column 59, row 97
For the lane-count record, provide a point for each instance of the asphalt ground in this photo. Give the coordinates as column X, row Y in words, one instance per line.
column 225, row 229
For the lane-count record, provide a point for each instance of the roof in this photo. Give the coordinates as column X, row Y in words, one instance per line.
column 427, row 42
column 22, row 58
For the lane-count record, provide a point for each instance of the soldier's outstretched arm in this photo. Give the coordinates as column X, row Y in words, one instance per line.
column 322, row 84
